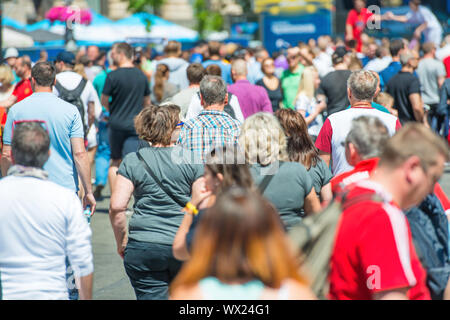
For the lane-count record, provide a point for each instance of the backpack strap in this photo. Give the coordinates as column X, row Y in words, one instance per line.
column 79, row 89
column 61, row 90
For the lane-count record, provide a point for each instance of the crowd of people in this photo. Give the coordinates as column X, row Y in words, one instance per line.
column 225, row 150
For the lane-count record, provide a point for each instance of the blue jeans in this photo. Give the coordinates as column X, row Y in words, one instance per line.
column 103, row 155
column 151, row 268
column 70, row 280
column 438, row 118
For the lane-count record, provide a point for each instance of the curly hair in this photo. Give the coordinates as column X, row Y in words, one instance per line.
column 156, row 124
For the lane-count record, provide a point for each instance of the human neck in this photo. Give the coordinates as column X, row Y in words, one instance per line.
column 39, row 89
column 294, row 69
column 160, row 145
column 194, row 85
column 428, row 56
column 126, row 64
column 361, row 104
column 239, row 78
column 407, row 69
column 215, row 107
column 391, row 181
column 214, row 57
column 340, row 66
column 27, row 75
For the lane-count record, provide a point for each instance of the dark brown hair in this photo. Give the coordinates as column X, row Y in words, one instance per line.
column 240, row 238
column 214, row 70
column 195, row 73
column 155, row 124
column 300, row 147
column 173, row 48
column 161, row 75
column 125, row 48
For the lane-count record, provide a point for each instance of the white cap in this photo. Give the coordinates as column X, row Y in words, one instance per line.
column 11, row 53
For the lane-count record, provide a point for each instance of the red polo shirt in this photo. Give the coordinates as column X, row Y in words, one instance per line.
column 22, row 89
column 373, row 250
column 358, row 22
column 361, row 171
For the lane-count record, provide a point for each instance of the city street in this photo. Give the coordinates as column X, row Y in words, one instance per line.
column 110, row 279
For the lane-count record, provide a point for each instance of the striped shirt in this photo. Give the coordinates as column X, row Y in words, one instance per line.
column 210, row 129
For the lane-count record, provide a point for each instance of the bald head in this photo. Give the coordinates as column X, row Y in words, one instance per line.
column 239, row 68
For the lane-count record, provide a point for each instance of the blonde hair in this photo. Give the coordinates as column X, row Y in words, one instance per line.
column 384, row 99
column 6, row 75
column 306, row 85
column 263, row 139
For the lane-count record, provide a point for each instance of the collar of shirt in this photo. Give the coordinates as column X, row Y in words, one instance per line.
column 367, row 165
column 213, row 112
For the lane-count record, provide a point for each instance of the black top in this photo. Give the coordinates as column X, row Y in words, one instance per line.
column 275, row 96
column 400, row 87
column 127, row 88
column 334, row 87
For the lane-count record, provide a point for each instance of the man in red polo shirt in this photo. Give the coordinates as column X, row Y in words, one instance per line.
column 373, row 255
column 22, row 89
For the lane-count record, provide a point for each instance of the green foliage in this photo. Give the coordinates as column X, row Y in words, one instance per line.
column 206, row 19
column 143, row 5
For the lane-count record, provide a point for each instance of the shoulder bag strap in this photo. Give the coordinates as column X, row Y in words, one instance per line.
column 263, row 185
column 150, row 172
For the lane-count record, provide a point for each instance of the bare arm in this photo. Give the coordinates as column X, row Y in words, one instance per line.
column 447, row 291
column 326, row 157
column 8, row 103
column 85, row 285
column 119, row 202
column 6, row 159
column 312, row 203
column 105, row 101
column 91, row 113
column 348, row 32
column 441, row 81
column 147, row 101
column 83, row 166
column 399, row 294
column 326, row 194
column 417, row 106
column 179, row 246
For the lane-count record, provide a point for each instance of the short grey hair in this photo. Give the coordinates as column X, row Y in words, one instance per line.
column 363, row 85
column 239, row 66
column 30, row 145
column 213, row 90
column 405, row 58
column 368, row 134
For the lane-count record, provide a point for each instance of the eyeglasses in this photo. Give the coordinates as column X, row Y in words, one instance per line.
column 180, row 124
column 17, row 122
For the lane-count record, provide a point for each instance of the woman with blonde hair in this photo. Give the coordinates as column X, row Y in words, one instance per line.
column 162, row 88
column 6, row 90
column 306, row 103
column 286, row 184
column 240, row 252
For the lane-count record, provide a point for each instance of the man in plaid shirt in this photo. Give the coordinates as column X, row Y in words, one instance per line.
column 212, row 127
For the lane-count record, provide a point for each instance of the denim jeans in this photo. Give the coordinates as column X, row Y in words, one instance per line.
column 438, row 119
column 151, row 268
column 70, row 281
column 103, row 155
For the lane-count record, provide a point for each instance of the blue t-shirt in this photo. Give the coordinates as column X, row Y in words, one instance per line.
column 225, row 67
column 392, row 69
column 63, row 122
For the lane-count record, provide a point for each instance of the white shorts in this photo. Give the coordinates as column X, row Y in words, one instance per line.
column 92, row 137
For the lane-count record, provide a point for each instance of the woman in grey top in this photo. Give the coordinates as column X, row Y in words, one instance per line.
column 147, row 248
column 300, row 148
column 286, row 184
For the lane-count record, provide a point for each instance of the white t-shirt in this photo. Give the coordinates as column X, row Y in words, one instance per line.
column 336, row 128
column 195, row 108
column 70, row 80
column 37, row 235
column 309, row 106
column 433, row 32
column 323, row 64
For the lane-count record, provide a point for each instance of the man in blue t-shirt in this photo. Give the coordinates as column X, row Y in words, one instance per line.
column 215, row 58
column 62, row 120
column 396, row 47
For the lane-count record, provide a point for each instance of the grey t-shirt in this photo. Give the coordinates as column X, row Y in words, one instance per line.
column 287, row 189
column 183, row 99
column 428, row 71
column 156, row 216
column 320, row 175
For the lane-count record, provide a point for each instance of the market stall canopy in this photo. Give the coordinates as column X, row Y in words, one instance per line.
column 146, row 25
column 16, row 39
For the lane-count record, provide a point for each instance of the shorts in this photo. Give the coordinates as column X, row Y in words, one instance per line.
column 92, row 137
column 122, row 142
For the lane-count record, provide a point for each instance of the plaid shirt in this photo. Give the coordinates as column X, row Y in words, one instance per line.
column 208, row 130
